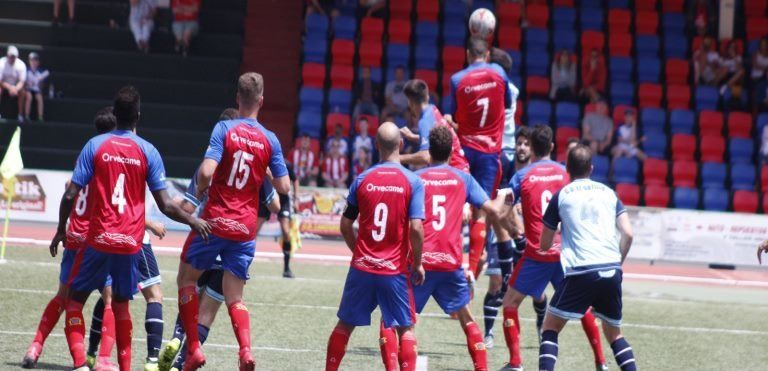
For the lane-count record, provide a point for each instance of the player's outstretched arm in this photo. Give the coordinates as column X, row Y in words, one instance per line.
column 348, row 232
column 625, row 229
column 157, row 228
column 417, row 241
column 175, row 212
column 204, row 176
column 65, row 208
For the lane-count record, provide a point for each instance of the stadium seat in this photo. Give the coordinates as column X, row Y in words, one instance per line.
column 675, row 46
column 371, row 29
column 741, row 150
column 564, row 39
column 334, row 119
column 683, row 147
column 764, row 179
column 373, row 124
column 672, row 6
column 426, row 56
column 347, row 7
column 591, row 4
column 678, row 97
column 429, row 76
column 343, row 52
column 562, row 135
column 311, row 99
column 601, row 166
column 342, row 77
column 316, row 24
column 400, row 9
column 370, row 54
column 755, row 7
column 377, row 76
column 537, row 63
column 681, row 121
column 398, row 54
column 622, row 93
column 653, row 120
column 427, row 10
column 656, row 196
column 713, row 175
column 487, row 4
column 619, row 21
column 645, row 5
column 649, row 95
column 649, row 70
column 625, row 170
column 712, row 148
column 618, row 113
column 509, row 37
column 537, row 86
column 339, row 100
column 455, row 9
column 620, row 44
column 453, row 35
column 592, row 40
column 310, row 123
column 684, row 174
column 399, row 31
column 621, row 69
column 629, row 194
column 647, row 46
column 453, row 58
column 313, row 75
column 762, row 122
column 315, row 49
column 706, row 98
column 509, row 13
column 745, row 201
column 677, row 71
column 563, row 18
column 426, row 33
column 536, row 40
column 591, row 19
column 646, row 22
column 710, row 123
column 686, row 198
column 739, row 125
column 715, row 199
column 655, row 145
column 567, row 114
column 618, row 4
column 673, row 23
column 344, row 27
column 539, row 112
column 655, row 172
column 757, row 27
column 537, row 15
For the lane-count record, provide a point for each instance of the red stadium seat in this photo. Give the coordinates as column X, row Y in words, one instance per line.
column 739, row 125
column 537, row 15
column 620, row 44
column 343, row 52
column 563, row 3
column 373, row 124
column 629, row 194
column 756, row 28
column 453, row 59
column 684, row 174
column 371, row 28
column 370, row 53
column 646, row 22
column 683, row 147
column 427, row 10
column 334, row 119
column 655, row 171
column 537, row 85
column 400, row 9
column 342, row 77
column 656, row 196
column 649, row 95
column 673, row 6
column 755, row 8
column 314, row 147
column 562, row 135
column 509, row 14
column 677, row 71
column 699, row 39
column 619, row 21
column 745, row 201
column 645, row 5
column 712, row 148
column 763, row 177
column 510, row 37
column 724, row 43
column 519, row 111
column 399, row 31
column 313, row 75
column 618, row 113
column 429, row 76
column 678, row 97
column 592, row 107
column 592, row 40
column 710, row 123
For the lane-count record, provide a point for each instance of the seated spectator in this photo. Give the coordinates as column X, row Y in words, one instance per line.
column 396, row 104
column 70, row 9
column 362, row 139
column 34, row 86
column 142, row 22
column 338, row 137
column 731, row 75
column 13, row 75
column 701, row 13
column 185, row 23
column 597, row 129
column 367, row 93
column 759, row 75
column 323, row 7
column 304, row 162
column 706, row 63
column 626, row 138
column 563, row 77
column 764, row 146
column 362, row 161
column 593, row 75
column 335, row 167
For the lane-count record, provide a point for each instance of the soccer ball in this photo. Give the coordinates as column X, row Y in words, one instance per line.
column 482, row 23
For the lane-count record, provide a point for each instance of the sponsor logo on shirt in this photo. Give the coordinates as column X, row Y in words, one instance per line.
column 228, row 225
column 374, row 263
column 545, row 178
column 248, row 142
column 118, row 240
column 106, row 157
column 376, row 188
column 437, row 258
column 481, row 87
column 440, row 182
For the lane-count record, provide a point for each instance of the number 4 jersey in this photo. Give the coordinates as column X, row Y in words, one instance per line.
column 115, row 167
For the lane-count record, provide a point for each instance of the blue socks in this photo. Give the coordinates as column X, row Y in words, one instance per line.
column 622, row 352
column 178, row 329
column 202, row 333
column 541, row 309
column 548, row 351
column 491, row 305
column 153, row 324
column 95, row 338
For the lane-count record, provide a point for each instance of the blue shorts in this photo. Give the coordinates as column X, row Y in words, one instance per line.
column 210, row 281
column 599, row 290
column 450, row 290
column 67, row 261
column 236, row 256
column 531, row 277
column 92, row 270
column 485, row 168
column 364, row 291
column 149, row 272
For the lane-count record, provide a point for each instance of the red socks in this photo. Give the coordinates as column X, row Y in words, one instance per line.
column 512, row 335
column 476, row 243
column 476, row 346
column 123, row 332
column 337, row 346
column 589, row 325
column 188, row 311
column 107, row 332
column 74, row 330
column 388, row 345
column 49, row 319
column 408, row 353
column 238, row 314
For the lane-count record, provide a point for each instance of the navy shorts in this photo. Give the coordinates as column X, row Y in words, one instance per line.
column 92, row 270
column 364, row 291
column 599, row 290
column 507, row 165
column 450, row 290
column 149, row 272
column 492, row 257
column 485, row 168
column 211, row 280
column 263, row 212
column 236, row 256
column 531, row 277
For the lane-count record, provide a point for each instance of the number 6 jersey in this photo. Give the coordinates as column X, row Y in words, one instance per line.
column 115, row 167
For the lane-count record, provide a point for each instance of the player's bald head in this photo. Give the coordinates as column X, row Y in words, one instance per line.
column 579, row 162
column 388, row 137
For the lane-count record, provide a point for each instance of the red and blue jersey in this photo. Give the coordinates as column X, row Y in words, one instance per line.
column 388, row 196
column 79, row 217
column 445, row 191
column 431, row 117
column 480, row 96
column 244, row 149
column 116, row 166
column 534, row 186
column 266, row 193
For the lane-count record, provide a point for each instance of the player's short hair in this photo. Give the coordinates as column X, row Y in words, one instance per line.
column 573, row 140
column 541, row 140
column 127, row 106
column 501, row 58
column 477, row 46
column 440, row 143
column 416, row 90
column 229, row 114
column 104, row 120
column 522, row 131
column 250, row 88
column 579, row 163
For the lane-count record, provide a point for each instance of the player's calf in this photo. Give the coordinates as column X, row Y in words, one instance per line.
column 548, row 351
column 388, row 346
column 337, row 345
column 407, row 353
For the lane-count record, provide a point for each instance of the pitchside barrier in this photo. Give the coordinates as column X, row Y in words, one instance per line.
column 690, row 236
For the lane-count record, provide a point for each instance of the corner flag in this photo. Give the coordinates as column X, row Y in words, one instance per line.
column 11, row 165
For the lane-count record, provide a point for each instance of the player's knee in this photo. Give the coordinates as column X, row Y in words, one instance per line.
column 494, row 285
column 612, row 333
column 512, row 299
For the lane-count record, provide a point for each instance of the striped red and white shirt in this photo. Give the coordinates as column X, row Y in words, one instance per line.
column 336, row 167
column 303, row 163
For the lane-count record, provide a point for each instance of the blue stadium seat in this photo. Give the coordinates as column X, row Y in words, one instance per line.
column 743, row 177
column 426, row 33
column 601, row 165
column 377, row 76
column 536, row 39
column 621, row 4
column 762, row 121
column 339, row 100
column 673, row 23
column 455, row 9
column 716, row 199
column 310, row 123
column 348, row 8
column 452, row 35
column 311, row 99
column 390, row 75
column 564, row 18
column 592, row 18
column 647, row 46
column 681, row 121
column 487, row 4
column 706, row 98
column 621, row 69
column 567, row 114
column 675, row 46
column 344, row 27
column 654, row 120
column 398, row 54
column 564, row 39
column 741, row 150
column 316, row 24
column 685, row 198
column 426, row 57
column 625, row 170
column 538, row 111
column 648, row 69
column 713, row 175
column 622, row 93
column 655, row 145
column 315, row 48
column 517, row 62
column 752, row 46
column 591, row 4
column 537, row 63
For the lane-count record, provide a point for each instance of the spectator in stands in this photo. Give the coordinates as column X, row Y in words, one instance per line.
column 626, row 138
column 13, row 75
column 70, row 9
column 373, row 8
column 701, row 14
column 362, row 161
column 764, row 146
column 396, row 102
column 366, row 92
column 563, row 77
column 597, row 129
column 337, row 138
column 324, row 7
column 706, row 63
column 335, row 167
column 593, row 75
column 142, row 22
column 362, row 139
column 34, row 86
column 759, row 75
column 185, row 24
column 731, row 75
column 304, row 162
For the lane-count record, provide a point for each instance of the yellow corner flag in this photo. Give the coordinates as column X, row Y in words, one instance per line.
column 12, row 164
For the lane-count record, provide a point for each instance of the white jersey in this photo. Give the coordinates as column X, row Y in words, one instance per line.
column 508, row 139
column 587, row 211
